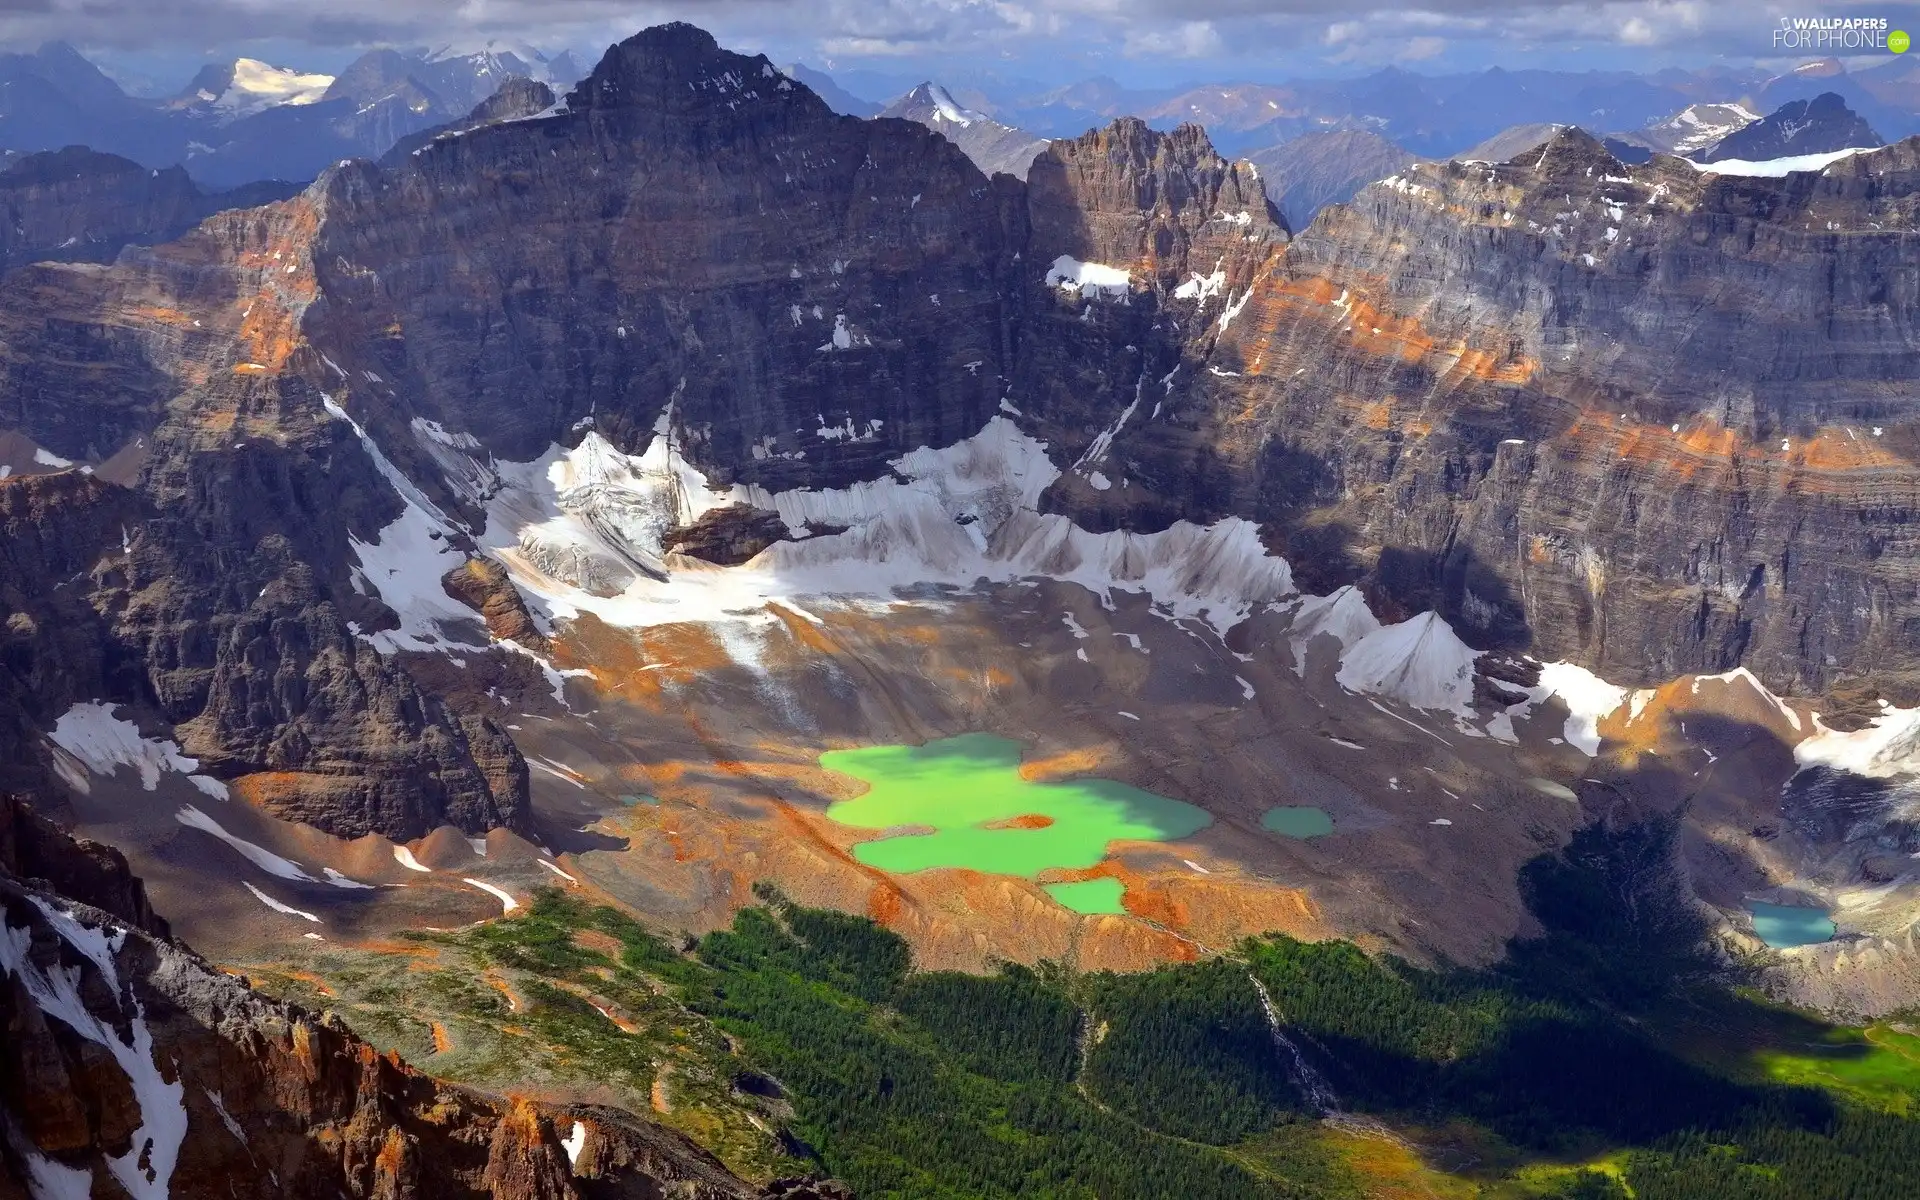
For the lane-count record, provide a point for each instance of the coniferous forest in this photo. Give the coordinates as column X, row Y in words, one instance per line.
column 1571, row 1061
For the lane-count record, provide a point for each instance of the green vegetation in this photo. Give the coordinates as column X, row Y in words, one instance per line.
column 985, row 817
column 1603, row 1059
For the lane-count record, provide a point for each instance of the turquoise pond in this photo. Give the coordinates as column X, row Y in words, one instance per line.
column 1783, row 926
column 1298, row 822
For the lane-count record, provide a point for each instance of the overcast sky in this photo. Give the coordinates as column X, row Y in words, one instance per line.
column 1140, row 42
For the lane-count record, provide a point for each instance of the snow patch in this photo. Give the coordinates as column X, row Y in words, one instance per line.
column 1343, row 615
column 258, row 86
column 1886, row 748
column 1589, row 700
column 507, row 902
column 1200, row 287
column 258, row 855
column 404, row 564
column 278, row 907
column 946, row 109
column 405, row 858
column 1069, row 274
column 103, row 742
column 957, row 515
column 1776, row 168
column 145, row 1171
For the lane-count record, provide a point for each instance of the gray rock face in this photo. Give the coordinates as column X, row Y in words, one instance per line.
column 1642, row 418
column 518, row 97
column 213, row 582
column 77, row 205
column 1314, row 170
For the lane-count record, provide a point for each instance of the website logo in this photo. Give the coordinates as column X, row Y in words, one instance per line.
column 1860, row 35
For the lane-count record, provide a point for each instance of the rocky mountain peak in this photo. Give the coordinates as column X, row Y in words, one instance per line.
column 1129, row 195
column 678, row 70
column 1571, row 151
column 1798, row 127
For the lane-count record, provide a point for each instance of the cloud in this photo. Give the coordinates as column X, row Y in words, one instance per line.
column 1189, row 39
column 1248, row 32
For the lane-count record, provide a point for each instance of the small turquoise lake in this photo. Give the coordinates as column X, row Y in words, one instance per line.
column 1784, row 926
column 974, row 810
column 1297, row 822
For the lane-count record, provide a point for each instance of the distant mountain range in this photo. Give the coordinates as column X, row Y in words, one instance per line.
column 1432, row 116
column 248, row 120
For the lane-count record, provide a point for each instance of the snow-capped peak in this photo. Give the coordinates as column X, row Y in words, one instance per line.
column 250, row 86
column 947, row 109
column 494, row 58
column 265, row 85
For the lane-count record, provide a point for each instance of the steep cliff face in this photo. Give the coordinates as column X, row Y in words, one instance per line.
column 185, row 543
column 1646, row 419
column 694, row 228
column 130, row 1066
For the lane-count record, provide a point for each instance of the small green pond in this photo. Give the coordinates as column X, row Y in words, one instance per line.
column 1089, row 895
column 1298, row 822
column 983, row 816
column 1783, row 926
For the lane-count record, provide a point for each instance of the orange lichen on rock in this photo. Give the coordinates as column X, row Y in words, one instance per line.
column 1375, row 331
column 885, row 902
column 1064, row 764
column 1699, row 446
column 1023, row 821
column 274, row 790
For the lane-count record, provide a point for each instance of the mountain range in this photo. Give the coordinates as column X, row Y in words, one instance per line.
column 463, row 589
column 245, row 121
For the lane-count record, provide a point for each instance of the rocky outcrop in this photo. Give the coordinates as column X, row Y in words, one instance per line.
column 35, row 849
column 517, row 98
column 131, row 1066
column 482, row 585
column 728, row 536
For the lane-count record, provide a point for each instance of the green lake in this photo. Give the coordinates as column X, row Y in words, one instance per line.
column 1298, row 822
column 981, row 815
column 1783, row 926
column 1089, row 895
